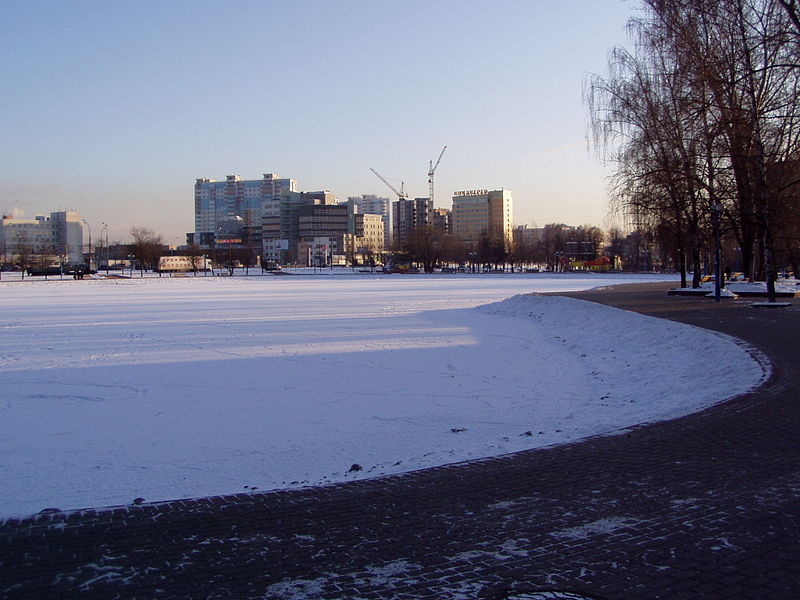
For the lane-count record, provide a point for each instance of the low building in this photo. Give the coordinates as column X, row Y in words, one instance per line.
column 318, row 252
column 369, row 204
column 365, row 244
column 56, row 239
column 527, row 237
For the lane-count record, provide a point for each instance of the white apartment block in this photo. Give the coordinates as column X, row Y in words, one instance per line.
column 250, row 199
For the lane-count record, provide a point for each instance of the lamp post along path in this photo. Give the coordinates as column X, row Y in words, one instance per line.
column 716, row 213
column 105, row 228
column 89, row 266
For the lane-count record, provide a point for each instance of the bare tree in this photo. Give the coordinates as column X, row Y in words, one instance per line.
column 793, row 12
column 24, row 252
column 553, row 249
column 696, row 118
column 453, row 250
column 642, row 122
column 424, row 247
column 195, row 255
column 47, row 255
column 146, row 247
column 746, row 56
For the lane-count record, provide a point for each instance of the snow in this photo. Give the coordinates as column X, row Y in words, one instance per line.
column 723, row 293
column 784, row 286
column 601, row 526
column 165, row 388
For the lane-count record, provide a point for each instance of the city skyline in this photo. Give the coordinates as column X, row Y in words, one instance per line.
column 116, row 110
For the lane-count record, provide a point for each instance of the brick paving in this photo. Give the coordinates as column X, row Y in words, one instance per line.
column 706, row 506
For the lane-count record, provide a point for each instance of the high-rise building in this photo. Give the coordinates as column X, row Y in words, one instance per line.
column 369, row 204
column 408, row 215
column 479, row 214
column 218, row 201
column 52, row 240
column 403, row 221
column 423, row 212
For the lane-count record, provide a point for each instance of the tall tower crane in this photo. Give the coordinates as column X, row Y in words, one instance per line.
column 401, row 195
column 432, row 170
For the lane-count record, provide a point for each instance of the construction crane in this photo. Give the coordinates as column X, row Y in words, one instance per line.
column 401, row 195
column 431, row 171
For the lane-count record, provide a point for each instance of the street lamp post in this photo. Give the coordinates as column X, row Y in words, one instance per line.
column 105, row 228
column 230, row 256
column 716, row 215
column 85, row 222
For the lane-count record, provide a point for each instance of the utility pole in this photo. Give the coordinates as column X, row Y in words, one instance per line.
column 716, row 216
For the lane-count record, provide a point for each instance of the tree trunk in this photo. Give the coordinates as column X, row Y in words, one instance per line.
column 696, row 257
column 681, row 260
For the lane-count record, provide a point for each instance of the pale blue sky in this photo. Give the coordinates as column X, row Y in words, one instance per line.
column 114, row 108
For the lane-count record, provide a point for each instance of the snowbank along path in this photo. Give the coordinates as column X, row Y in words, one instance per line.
column 184, row 387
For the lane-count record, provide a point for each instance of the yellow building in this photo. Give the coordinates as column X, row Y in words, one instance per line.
column 367, row 242
column 482, row 213
column 371, row 234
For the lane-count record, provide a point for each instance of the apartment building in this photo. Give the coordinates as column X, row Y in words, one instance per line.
column 250, row 199
column 408, row 215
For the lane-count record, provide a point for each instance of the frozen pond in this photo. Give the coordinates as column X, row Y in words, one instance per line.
column 183, row 387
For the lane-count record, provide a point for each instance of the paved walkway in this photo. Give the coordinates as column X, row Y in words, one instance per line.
column 706, row 506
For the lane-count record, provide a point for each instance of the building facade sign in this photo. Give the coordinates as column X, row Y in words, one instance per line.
column 471, row 193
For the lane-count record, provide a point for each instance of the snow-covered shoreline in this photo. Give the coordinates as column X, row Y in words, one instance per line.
column 184, row 387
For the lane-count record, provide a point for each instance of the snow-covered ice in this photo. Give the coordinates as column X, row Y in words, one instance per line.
column 184, row 387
